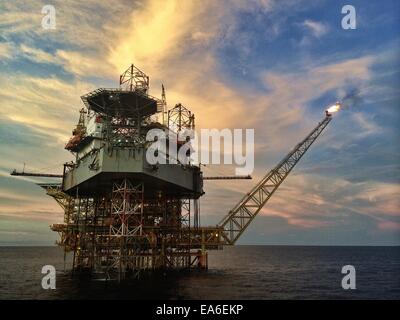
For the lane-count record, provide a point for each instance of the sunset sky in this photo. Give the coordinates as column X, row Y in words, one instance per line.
column 269, row 65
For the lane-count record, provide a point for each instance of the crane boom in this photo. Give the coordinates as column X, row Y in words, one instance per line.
column 248, row 177
column 35, row 174
column 238, row 219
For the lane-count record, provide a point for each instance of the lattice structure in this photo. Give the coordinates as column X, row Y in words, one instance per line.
column 124, row 132
column 129, row 234
column 134, row 79
column 126, row 209
column 244, row 212
column 180, row 118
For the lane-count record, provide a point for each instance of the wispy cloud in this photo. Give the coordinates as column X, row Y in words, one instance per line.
column 318, row 29
column 36, row 55
column 51, row 102
column 5, row 50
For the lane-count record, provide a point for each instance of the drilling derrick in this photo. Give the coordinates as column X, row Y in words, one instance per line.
column 124, row 215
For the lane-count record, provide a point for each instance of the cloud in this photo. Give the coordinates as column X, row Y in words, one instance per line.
column 369, row 127
column 41, row 103
column 32, row 202
column 5, row 50
column 318, row 29
column 84, row 65
column 282, row 109
column 202, row 36
column 307, row 201
column 80, row 24
column 161, row 32
column 37, row 55
column 81, row 64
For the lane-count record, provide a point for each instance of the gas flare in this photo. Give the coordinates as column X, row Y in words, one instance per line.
column 334, row 108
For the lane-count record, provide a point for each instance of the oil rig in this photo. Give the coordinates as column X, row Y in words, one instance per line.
column 124, row 216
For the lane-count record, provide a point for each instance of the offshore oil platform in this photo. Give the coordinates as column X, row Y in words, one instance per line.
column 124, row 216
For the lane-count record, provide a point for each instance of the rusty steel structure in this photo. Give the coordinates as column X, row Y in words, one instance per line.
column 124, row 216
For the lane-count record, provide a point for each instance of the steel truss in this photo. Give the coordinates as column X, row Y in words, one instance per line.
column 124, row 132
column 180, row 118
column 134, row 79
column 125, row 233
column 238, row 219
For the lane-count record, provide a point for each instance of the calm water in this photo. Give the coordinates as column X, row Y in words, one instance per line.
column 241, row 272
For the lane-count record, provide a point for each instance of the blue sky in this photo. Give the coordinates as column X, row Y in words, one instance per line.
column 269, row 65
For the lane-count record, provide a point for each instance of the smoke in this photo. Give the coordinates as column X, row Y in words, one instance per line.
column 351, row 98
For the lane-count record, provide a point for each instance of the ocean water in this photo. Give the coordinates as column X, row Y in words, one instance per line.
column 240, row 272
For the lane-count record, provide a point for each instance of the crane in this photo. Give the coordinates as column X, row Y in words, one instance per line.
column 35, row 174
column 238, row 219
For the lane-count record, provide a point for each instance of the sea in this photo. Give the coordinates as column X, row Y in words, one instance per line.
column 239, row 272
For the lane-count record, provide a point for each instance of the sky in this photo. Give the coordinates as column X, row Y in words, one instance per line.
column 272, row 66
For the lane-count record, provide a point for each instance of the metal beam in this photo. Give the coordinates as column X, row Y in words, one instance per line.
column 34, row 174
column 227, row 177
column 239, row 218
